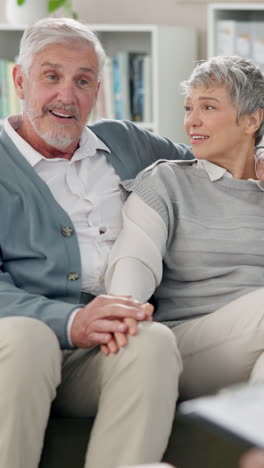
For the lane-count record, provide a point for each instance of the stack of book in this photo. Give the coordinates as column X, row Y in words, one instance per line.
column 9, row 102
column 126, row 92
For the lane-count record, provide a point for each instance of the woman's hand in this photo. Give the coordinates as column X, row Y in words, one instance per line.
column 119, row 339
column 99, row 321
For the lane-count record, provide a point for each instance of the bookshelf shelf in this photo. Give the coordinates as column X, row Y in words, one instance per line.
column 172, row 50
column 246, row 25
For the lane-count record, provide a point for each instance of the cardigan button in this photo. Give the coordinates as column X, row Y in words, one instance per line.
column 67, row 231
column 72, row 276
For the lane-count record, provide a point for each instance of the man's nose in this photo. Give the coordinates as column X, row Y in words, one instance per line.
column 66, row 92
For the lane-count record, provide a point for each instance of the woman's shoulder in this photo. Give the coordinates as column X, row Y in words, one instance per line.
column 164, row 167
column 157, row 175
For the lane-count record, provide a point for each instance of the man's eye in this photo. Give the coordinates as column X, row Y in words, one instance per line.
column 187, row 108
column 52, row 77
column 82, row 82
column 209, row 107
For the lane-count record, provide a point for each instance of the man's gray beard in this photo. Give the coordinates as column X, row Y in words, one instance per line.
column 57, row 141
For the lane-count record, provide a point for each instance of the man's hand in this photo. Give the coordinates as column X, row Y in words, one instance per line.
column 120, row 340
column 97, row 322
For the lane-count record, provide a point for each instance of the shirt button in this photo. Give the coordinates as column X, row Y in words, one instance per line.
column 72, row 276
column 67, row 231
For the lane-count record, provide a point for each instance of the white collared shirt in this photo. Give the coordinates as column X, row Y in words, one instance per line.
column 87, row 188
column 215, row 172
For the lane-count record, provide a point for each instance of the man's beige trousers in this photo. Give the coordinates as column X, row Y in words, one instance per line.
column 132, row 393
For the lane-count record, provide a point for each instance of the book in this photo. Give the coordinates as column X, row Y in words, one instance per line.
column 14, row 106
column 121, row 85
column 238, row 409
column 147, row 86
column 104, row 107
column 137, row 86
column 108, row 88
column 126, row 88
column 4, row 107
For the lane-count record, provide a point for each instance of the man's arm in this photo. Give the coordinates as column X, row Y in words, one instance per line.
column 94, row 324
column 18, row 302
column 134, row 148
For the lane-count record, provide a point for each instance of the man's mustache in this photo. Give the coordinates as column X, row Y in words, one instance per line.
column 67, row 107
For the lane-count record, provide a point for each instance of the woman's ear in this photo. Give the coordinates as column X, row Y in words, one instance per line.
column 254, row 120
column 18, row 77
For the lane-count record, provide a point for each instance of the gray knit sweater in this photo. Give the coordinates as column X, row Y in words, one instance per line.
column 215, row 238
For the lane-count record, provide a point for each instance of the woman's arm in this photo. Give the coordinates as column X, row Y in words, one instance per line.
column 135, row 263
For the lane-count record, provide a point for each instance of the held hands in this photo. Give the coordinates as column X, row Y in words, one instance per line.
column 108, row 319
column 259, row 162
column 120, row 340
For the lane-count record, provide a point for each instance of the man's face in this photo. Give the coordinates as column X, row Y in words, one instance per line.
column 59, row 92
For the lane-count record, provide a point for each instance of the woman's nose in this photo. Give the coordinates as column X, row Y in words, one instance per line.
column 193, row 119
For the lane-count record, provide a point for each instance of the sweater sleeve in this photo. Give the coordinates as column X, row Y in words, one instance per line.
column 135, row 263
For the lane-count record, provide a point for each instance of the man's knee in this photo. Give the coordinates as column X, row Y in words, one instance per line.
column 154, row 347
column 154, row 337
column 29, row 347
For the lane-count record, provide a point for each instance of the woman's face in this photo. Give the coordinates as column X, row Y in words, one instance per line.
column 211, row 124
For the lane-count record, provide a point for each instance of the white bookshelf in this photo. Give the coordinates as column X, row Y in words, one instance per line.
column 247, row 12
column 173, row 51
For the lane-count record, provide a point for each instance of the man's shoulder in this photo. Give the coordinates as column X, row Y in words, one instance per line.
column 109, row 127
column 6, row 146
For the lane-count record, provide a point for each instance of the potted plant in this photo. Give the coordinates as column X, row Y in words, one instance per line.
column 53, row 5
column 22, row 12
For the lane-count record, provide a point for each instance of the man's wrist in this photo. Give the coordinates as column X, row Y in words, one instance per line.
column 69, row 324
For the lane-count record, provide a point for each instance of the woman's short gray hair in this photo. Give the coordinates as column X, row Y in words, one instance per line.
column 53, row 31
column 242, row 78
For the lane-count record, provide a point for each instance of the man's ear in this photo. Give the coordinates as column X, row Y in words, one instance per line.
column 18, row 77
column 98, row 87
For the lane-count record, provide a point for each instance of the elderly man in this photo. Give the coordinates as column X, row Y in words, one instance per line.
column 61, row 212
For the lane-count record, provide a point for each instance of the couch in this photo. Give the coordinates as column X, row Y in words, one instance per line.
column 193, row 444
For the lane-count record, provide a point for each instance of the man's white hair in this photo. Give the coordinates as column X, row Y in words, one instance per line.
column 57, row 31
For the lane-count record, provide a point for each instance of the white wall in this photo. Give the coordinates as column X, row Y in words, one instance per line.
column 165, row 12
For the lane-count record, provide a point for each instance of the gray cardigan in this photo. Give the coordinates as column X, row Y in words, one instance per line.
column 39, row 258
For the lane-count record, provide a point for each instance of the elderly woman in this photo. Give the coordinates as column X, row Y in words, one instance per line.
column 194, row 232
